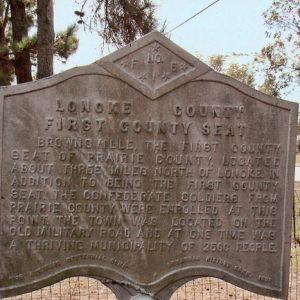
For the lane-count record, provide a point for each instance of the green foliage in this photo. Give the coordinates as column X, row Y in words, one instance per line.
column 118, row 22
column 217, row 61
column 6, row 65
column 275, row 70
column 66, row 43
column 280, row 59
column 28, row 43
column 241, row 72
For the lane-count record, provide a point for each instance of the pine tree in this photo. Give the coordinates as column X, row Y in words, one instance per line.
column 19, row 51
column 118, row 22
column 45, row 38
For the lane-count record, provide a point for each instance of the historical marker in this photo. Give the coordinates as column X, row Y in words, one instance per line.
column 145, row 169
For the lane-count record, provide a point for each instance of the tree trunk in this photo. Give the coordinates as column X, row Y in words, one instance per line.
column 45, row 38
column 20, row 31
column 6, row 68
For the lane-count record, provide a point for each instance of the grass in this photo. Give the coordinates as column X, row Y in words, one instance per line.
column 295, row 258
column 295, row 250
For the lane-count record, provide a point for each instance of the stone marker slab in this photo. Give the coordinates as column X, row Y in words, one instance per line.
column 145, row 169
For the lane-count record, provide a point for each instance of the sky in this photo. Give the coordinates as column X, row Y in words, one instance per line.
column 226, row 27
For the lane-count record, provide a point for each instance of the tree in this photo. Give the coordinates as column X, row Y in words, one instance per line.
column 18, row 50
column 118, row 22
column 241, row 72
column 20, row 25
column 281, row 58
column 6, row 66
column 276, row 68
column 45, row 38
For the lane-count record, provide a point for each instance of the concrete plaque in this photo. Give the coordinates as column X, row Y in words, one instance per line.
column 145, row 169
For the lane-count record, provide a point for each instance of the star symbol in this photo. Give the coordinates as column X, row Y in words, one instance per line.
column 124, row 63
column 155, row 47
column 184, row 67
column 142, row 77
column 165, row 76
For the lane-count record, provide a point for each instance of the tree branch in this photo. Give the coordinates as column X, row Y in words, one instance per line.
column 83, row 5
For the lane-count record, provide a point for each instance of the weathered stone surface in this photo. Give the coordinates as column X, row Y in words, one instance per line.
column 141, row 297
column 145, row 169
